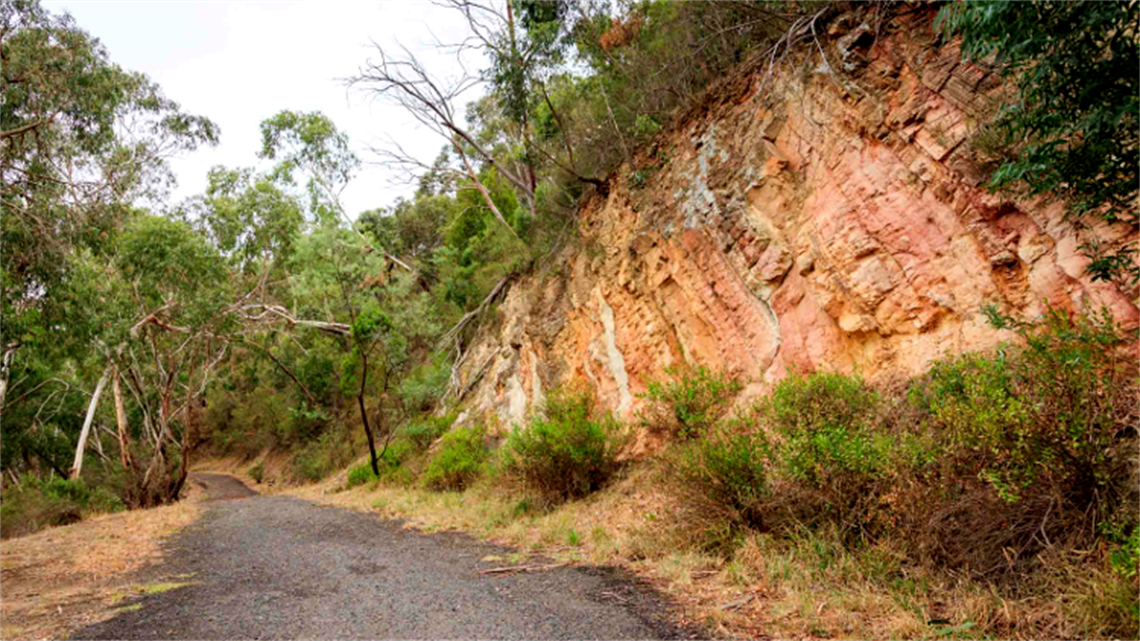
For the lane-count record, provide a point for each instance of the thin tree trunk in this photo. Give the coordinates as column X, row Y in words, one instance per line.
column 621, row 138
column 188, row 443
column 121, row 420
column 77, row 466
column 364, row 414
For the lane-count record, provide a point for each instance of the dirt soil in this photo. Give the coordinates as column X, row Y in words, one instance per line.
column 280, row 567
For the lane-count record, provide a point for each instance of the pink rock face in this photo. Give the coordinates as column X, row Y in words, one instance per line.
column 835, row 222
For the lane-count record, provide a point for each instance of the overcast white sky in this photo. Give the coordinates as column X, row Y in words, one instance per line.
column 238, row 63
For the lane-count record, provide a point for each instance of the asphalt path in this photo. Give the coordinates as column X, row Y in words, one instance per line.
column 277, row 567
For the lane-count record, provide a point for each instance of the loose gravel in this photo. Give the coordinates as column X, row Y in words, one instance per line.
column 276, row 567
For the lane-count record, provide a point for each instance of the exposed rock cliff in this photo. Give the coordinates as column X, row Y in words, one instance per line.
column 833, row 218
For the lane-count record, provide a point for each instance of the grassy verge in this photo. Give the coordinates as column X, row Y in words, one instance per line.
column 62, row 578
column 994, row 497
column 805, row 586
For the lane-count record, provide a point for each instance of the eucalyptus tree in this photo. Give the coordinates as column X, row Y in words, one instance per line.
column 1073, row 129
column 81, row 142
column 379, row 317
column 160, row 308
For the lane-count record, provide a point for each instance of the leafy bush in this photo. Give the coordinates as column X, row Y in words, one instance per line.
column 360, row 474
column 395, row 454
column 1053, row 411
column 34, row 504
column 459, row 460
column 568, row 453
column 423, row 387
column 727, row 470
column 686, row 404
column 332, row 450
column 257, row 472
column 825, row 425
column 423, row 433
column 1036, row 443
column 1125, row 555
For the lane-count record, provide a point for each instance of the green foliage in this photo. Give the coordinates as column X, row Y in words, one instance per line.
column 257, row 472
column 332, row 450
column 360, row 474
column 1076, row 119
column 825, row 425
column 1124, row 556
column 726, row 467
column 423, row 433
column 1051, row 411
column 567, row 452
column 425, row 384
column 70, row 169
column 35, row 503
column 687, row 403
column 458, row 460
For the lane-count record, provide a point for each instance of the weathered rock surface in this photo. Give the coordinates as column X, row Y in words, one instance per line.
column 833, row 220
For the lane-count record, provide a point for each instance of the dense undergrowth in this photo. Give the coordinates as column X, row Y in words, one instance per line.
column 994, row 496
column 35, row 503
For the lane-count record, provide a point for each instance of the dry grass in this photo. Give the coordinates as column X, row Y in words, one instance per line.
column 62, row 578
column 806, row 588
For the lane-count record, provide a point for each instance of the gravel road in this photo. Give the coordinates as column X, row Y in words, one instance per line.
column 277, row 567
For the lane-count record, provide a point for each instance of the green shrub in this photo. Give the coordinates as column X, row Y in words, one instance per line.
column 34, row 504
column 74, row 490
column 102, row 501
column 1125, row 555
column 257, row 472
column 396, row 454
column 829, row 453
column 425, row 384
column 360, row 474
column 825, row 425
column 333, row 450
column 423, row 433
column 568, row 453
column 726, row 469
column 1053, row 411
column 459, row 459
column 686, row 404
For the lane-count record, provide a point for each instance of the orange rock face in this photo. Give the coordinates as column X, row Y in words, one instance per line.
column 834, row 221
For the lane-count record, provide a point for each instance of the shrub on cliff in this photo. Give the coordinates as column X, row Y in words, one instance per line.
column 1038, row 443
column 423, row 433
column 568, row 453
column 687, row 403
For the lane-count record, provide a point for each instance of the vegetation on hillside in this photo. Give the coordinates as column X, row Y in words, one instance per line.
column 261, row 315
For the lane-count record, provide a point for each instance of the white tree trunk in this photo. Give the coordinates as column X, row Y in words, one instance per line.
column 121, row 422
column 78, row 464
column 5, row 367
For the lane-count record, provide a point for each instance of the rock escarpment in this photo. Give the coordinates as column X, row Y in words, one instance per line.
column 833, row 218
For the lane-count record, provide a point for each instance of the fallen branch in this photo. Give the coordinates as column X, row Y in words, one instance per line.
column 340, row 329
column 514, row 569
column 732, row 605
column 475, row 379
column 471, row 315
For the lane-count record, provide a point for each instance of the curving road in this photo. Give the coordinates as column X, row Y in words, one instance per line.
column 275, row 567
